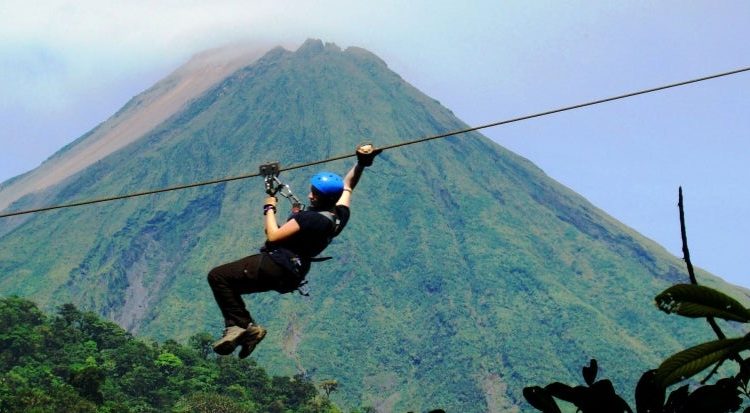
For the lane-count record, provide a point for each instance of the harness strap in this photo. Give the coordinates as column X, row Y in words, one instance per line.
column 334, row 220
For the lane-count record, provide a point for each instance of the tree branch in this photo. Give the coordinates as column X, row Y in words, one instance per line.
column 686, row 256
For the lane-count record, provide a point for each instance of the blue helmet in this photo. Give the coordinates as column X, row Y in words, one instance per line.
column 327, row 185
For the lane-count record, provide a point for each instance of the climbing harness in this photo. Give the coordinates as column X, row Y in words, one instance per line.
column 273, row 185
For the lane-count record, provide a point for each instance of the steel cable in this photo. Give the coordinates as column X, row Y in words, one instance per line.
column 398, row 145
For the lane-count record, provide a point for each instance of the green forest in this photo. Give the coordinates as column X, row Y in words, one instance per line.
column 73, row 361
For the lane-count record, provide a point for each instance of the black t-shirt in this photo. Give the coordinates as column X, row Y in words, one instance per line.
column 316, row 232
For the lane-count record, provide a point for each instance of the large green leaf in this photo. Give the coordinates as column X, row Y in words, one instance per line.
column 688, row 363
column 694, row 301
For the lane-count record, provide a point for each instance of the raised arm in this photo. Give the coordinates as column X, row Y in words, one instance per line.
column 365, row 155
column 350, row 181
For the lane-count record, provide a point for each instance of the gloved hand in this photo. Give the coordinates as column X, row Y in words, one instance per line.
column 366, row 153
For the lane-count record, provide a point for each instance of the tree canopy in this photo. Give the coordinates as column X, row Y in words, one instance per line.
column 74, row 361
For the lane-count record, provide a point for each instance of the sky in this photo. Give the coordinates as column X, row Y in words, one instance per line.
column 68, row 65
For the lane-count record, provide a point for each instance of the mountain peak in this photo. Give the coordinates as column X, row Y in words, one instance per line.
column 315, row 46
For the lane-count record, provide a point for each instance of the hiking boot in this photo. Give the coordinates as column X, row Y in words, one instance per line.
column 232, row 335
column 255, row 335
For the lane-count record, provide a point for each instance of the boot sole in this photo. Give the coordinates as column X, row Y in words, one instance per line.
column 254, row 341
column 227, row 347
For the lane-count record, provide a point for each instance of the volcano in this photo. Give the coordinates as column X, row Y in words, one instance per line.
column 464, row 274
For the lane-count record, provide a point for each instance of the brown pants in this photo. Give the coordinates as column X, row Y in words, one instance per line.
column 253, row 274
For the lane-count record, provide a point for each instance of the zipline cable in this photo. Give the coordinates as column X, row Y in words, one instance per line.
column 398, row 145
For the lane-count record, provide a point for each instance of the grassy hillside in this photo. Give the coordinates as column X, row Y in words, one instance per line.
column 465, row 272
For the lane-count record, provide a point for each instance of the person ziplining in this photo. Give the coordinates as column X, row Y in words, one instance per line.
column 289, row 250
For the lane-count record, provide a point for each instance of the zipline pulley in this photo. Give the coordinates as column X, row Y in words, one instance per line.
column 273, row 185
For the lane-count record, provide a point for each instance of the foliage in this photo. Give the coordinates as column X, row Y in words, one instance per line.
column 597, row 396
column 690, row 300
column 76, row 362
column 723, row 396
column 329, row 386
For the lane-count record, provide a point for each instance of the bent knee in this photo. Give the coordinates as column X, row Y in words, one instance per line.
column 214, row 276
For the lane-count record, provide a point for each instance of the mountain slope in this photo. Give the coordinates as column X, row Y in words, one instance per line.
column 139, row 116
column 465, row 272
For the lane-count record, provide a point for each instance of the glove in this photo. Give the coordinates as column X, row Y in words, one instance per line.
column 366, row 153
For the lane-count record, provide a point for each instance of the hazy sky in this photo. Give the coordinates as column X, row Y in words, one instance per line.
column 68, row 65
